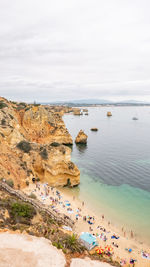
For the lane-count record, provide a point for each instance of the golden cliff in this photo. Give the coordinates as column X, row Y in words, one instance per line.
column 33, row 141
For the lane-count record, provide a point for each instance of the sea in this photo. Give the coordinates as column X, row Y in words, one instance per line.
column 115, row 165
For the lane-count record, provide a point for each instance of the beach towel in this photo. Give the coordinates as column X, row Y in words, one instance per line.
column 89, row 222
column 114, row 237
column 67, row 228
column 145, row 255
column 70, row 211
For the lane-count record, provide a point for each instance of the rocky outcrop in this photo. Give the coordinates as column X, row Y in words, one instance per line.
column 109, row 114
column 94, row 129
column 32, row 139
column 23, row 250
column 81, row 138
column 77, row 111
column 52, row 164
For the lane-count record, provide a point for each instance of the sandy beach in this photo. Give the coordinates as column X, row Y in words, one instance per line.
column 87, row 221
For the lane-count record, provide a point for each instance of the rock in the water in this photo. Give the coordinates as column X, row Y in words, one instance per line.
column 77, row 111
column 94, row 129
column 109, row 114
column 81, row 138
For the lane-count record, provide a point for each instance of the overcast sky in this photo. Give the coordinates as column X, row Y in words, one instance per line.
column 74, row 49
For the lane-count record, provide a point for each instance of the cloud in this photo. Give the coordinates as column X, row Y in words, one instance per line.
column 69, row 49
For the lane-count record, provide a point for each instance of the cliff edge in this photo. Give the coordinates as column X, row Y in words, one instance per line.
column 33, row 144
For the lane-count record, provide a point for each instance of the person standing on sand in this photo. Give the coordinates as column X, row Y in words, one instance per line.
column 102, row 216
column 132, row 234
column 82, row 203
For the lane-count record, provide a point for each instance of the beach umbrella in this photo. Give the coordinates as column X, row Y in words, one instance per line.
column 100, row 250
column 108, row 249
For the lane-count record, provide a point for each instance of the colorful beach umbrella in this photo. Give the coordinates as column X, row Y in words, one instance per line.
column 108, row 249
column 100, row 250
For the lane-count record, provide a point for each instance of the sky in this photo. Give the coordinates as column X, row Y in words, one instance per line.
column 74, row 49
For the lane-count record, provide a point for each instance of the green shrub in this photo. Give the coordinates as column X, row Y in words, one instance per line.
column 44, row 154
column 72, row 243
column 26, row 109
column 22, row 210
column 10, row 182
column 3, row 122
column 24, row 146
column 57, row 245
column 11, row 116
column 22, row 104
column 3, row 105
column 53, row 231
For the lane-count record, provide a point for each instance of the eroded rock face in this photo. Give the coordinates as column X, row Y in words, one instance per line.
column 34, row 128
column 43, row 126
column 81, row 138
column 53, row 165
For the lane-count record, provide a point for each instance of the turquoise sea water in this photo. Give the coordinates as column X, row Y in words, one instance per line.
column 115, row 165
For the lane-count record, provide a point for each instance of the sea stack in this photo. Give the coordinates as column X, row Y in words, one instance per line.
column 77, row 111
column 94, row 129
column 109, row 114
column 81, row 138
column 85, row 110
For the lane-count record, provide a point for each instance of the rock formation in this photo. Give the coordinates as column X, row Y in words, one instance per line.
column 109, row 114
column 94, row 129
column 81, row 138
column 32, row 144
column 77, row 111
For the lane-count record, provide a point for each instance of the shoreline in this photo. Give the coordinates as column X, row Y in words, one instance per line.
column 116, row 225
column 74, row 208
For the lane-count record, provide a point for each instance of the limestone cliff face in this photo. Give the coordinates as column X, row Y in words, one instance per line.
column 31, row 145
column 52, row 164
column 43, row 126
column 81, row 138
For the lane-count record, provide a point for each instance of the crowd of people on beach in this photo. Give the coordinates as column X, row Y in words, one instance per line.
column 52, row 197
